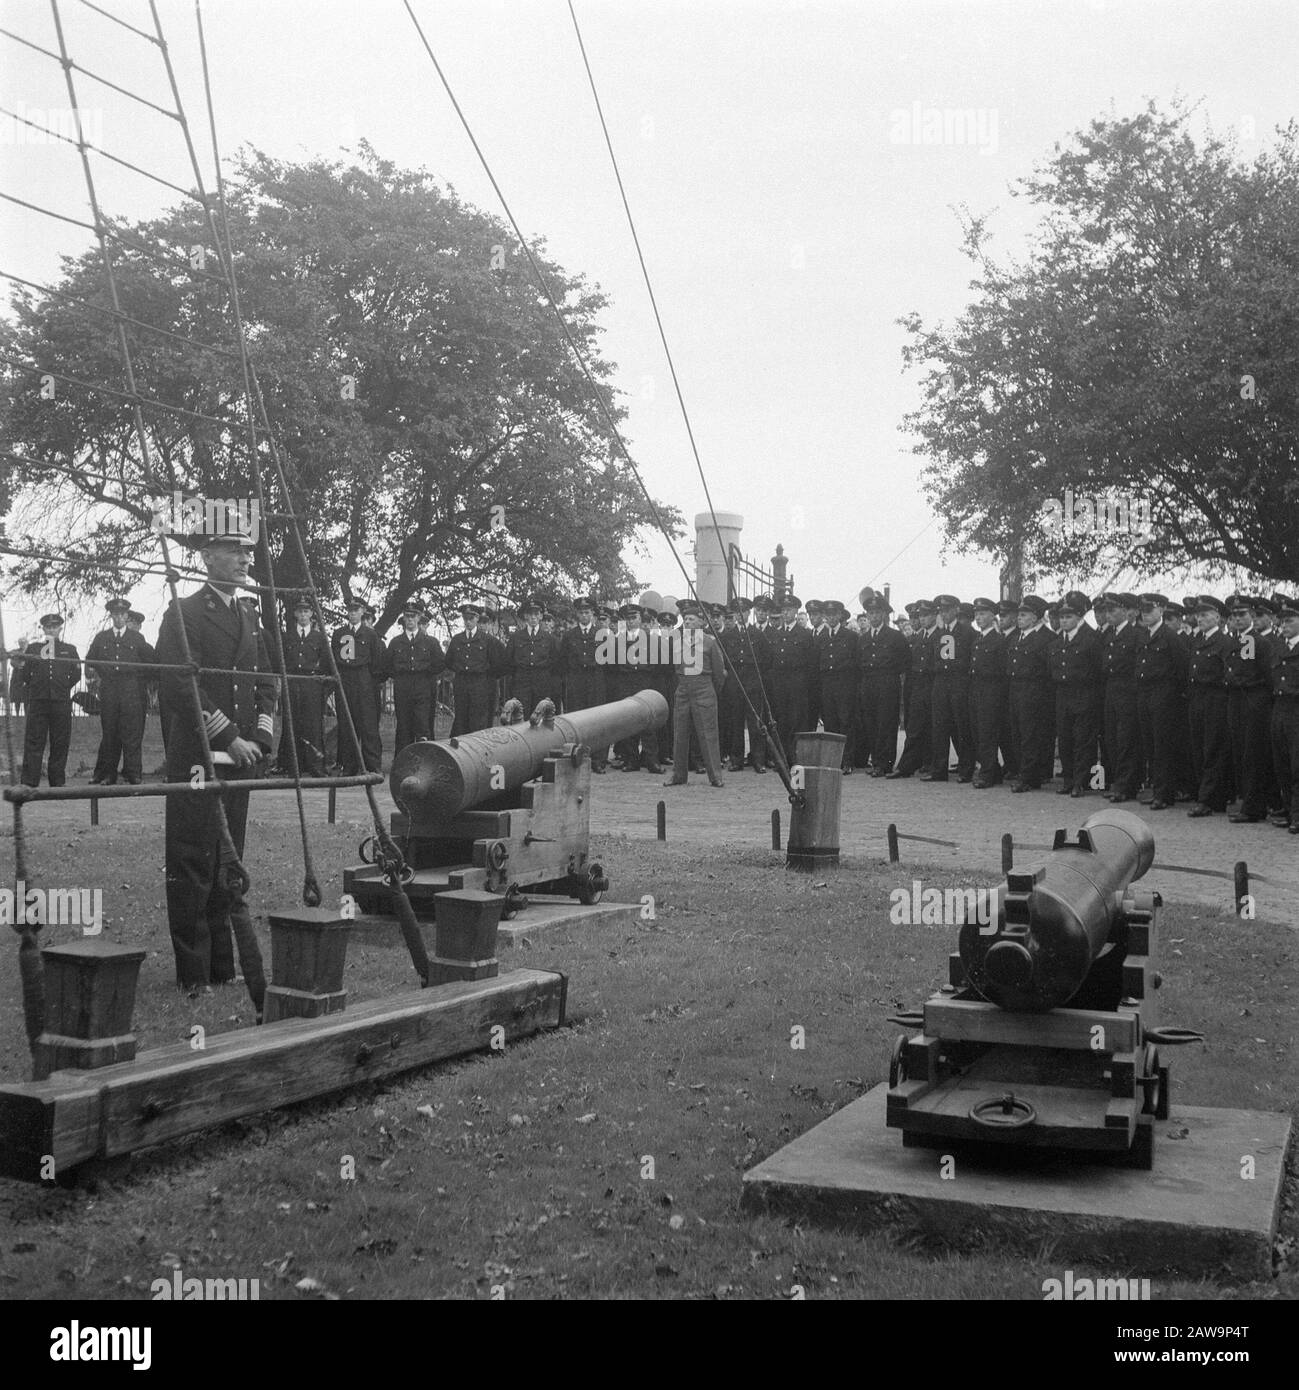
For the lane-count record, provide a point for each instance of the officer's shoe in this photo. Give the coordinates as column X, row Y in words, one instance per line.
column 1160, row 805
column 1198, row 810
column 1294, row 828
column 1240, row 818
column 717, row 782
column 654, row 768
column 1063, row 789
column 895, row 774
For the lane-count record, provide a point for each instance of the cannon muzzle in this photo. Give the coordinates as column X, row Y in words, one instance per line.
column 1055, row 919
column 436, row 781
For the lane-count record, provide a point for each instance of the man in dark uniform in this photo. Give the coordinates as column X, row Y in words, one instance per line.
column 44, row 676
column 474, row 659
column 748, row 660
column 238, row 713
column 1161, row 676
column 1123, row 773
column 584, row 672
column 987, row 692
column 1249, row 709
column 631, row 674
column 135, row 623
column 415, row 661
column 1210, row 653
column 919, row 692
column 1008, row 626
column 835, row 654
column 792, row 654
column 1075, row 664
column 815, row 611
column 1032, row 704
column 305, row 654
column 1285, row 710
column 701, row 673
column 123, row 697
column 532, row 660
column 949, row 700
column 359, row 655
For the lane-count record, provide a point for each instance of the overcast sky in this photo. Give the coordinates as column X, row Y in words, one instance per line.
column 787, row 215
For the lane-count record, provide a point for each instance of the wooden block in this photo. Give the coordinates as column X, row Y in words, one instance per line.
column 283, row 1002
column 465, row 928
column 308, row 949
column 962, row 1020
column 174, row 1090
column 89, row 1003
column 922, row 1058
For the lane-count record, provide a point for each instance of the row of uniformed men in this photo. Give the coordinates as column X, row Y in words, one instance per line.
column 1212, row 715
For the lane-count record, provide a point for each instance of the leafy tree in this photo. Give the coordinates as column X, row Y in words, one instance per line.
column 435, row 432
column 1147, row 348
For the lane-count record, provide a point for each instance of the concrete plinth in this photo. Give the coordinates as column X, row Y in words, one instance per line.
column 1193, row 1214
column 543, row 914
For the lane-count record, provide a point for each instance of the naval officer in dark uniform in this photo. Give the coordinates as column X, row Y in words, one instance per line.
column 123, row 696
column 415, row 660
column 1161, row 668
column 44, row 675
column 306, row 653
column 238, row 713
column 475, row 660
column 360, row 656
column 532, row 660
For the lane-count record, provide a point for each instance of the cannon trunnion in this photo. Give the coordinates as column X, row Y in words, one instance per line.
column 504, row 809
column 1046, row 1035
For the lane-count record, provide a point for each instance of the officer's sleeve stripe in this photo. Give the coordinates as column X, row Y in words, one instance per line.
column 266, row 723
column 215, row 722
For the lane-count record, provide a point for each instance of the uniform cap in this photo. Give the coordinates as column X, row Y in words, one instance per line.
column 631, row 610
column 1207, row 603
column 1286, row 607
column 1152, row 601
column 1031, row 603
column 1127, row 600
column 135, row 616
column 984, row 605
column 471, row 608
column 1007, row 606
column 301, row 603
column 922, row 608
column 414, row 610
column 118, row 605
column 688, row 608
column 585, row 601
column 531, row 604
column 965, row 611
column 1074, row 602
column 740, row 605
column 217, row 528
column 947, row 601
column 790, row 601
column 52, row 620
column 667, row 618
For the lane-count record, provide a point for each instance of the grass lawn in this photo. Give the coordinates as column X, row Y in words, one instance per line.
column 523, row 1171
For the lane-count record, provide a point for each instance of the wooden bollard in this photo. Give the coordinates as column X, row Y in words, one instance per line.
column 333, row 804
column 465, row 922
column 94, row 810
column 814, row 825
column 89, row 1000
column 308, row 953
column 775, row 829
column 892, row 834
column 1007, row 852
column 661, row 818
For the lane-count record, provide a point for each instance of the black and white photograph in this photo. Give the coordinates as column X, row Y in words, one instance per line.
column 649, row 652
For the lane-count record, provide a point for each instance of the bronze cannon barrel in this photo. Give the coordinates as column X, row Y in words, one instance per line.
column 1054, row 920
column 436, row 781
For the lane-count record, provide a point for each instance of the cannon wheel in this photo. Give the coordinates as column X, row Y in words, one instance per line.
column 586, row 893
column 898, row 1061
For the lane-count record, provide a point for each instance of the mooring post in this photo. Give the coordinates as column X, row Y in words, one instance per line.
column 661, row 815
column 1007, row 852
column 94, row 810
column 333, row 804
column 89, row 1000
column 893, row 843
column 1242, row 886
column 775, row 829
column 814, row 820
